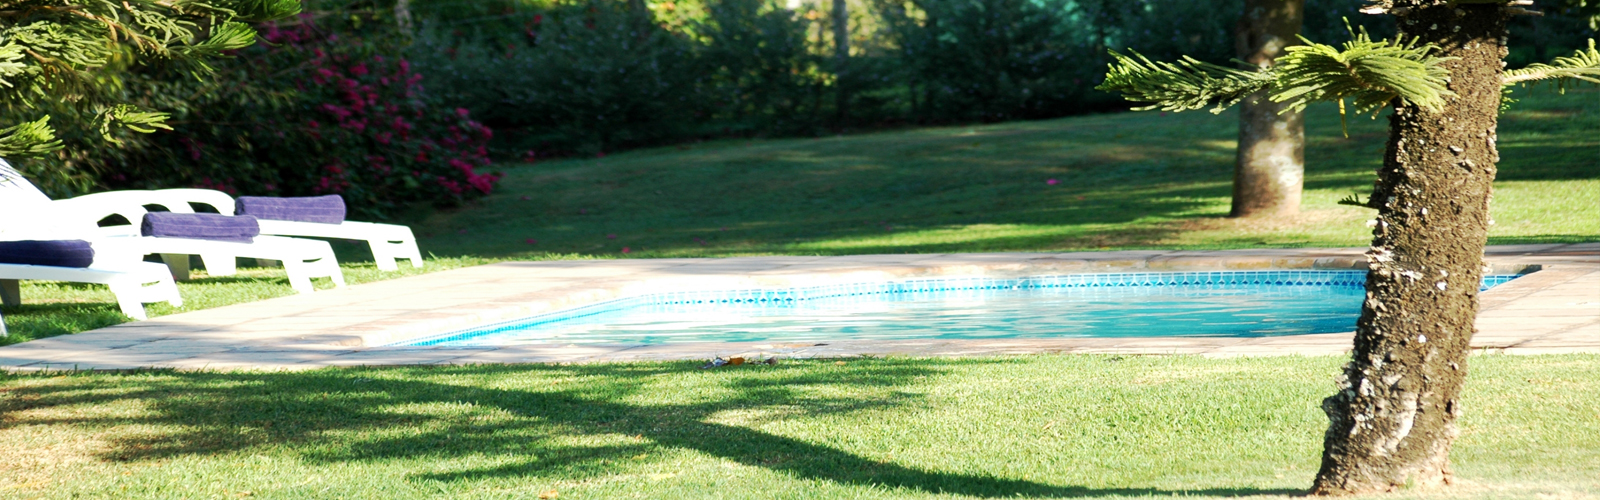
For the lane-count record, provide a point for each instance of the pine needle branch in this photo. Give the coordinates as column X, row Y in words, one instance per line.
column 1581, row 66
column 29, row 139
column 53, row 50
column 1180, row 86
column 1370, row 73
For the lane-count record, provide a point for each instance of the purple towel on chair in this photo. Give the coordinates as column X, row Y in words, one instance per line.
column 324, row 209
column 241, row 228
column 59, row 253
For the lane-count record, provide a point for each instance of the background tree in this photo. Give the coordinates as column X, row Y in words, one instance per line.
column 841, row 59
column 54, row 50
column 1270, row 168
column 1394, row 418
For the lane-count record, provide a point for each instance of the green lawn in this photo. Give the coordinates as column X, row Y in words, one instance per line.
column 1127, row 180
column 1032, row 427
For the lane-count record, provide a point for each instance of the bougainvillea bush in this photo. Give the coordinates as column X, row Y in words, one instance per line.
column 315, row 108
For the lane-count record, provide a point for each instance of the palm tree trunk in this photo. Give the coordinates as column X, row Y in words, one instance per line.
column 1394, row 419
column 1270, row 168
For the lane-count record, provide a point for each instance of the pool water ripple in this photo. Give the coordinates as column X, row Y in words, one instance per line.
column 1217, row 303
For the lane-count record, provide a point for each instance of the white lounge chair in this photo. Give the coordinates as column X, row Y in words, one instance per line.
column 302, row 259
column 134, row 283
column 78, row 218
column 389, row 242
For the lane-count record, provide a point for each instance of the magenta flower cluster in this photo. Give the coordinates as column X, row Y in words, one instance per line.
column 379, row 138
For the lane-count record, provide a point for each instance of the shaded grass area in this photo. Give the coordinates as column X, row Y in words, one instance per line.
column 1030, row 427
column 1129, row 180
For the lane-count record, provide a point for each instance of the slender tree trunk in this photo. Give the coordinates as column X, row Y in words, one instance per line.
column 1394, row 418
column 1270, row 168
column 402, row 17
column 841, row 59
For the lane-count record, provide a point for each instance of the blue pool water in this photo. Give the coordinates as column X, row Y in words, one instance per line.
column 1223, row 303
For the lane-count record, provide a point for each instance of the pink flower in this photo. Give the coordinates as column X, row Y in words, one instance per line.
column 359, row 69
column 462, row 112
column 611, row 236
column 625, row 250
column 1052, row 182
column 532, row 241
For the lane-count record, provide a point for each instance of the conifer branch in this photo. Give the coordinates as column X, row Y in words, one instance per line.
column 1581, row 66
column 49, row 49
column 1183, row 85
column 29, row 140
column 1370, row 73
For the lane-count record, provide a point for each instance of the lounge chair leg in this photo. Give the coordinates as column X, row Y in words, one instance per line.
column 416, row 255
column 383, row 255
column 128, row 297
column 337, row 274
column 179, row 264
column 11, row 292
column 220, row 265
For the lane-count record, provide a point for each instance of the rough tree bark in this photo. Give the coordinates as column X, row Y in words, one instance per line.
column 1394, row 419
column 841, row 59
column 1270, row 169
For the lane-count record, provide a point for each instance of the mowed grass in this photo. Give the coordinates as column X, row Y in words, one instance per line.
column 1029, row 427
column 1127, row 180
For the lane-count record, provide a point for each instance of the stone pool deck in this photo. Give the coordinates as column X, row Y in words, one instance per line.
column 1554, row 310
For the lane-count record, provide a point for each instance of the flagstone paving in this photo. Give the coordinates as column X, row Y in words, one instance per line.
column 1554, row 310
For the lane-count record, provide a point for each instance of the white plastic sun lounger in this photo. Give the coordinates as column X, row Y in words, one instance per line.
column 389, row 242
column 79, row 218
column 302, row 259
column 134, row 283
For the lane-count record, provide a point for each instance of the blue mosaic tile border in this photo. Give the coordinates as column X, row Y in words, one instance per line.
column 1200, row 282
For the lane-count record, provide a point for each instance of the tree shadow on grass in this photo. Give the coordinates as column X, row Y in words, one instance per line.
column 377, row 415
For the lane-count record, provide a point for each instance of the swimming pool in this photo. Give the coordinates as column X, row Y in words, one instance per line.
column 1214, row 303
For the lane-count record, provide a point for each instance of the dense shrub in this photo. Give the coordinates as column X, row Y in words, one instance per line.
column 584, row 78
column 308, row 111
column 595, row 76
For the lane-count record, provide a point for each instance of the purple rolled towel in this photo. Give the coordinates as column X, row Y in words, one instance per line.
column 323, row 209
column 240, row 228
column 59, row 253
